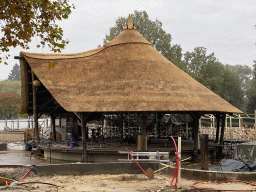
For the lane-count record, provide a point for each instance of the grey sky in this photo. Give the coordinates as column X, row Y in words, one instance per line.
column 224, row 27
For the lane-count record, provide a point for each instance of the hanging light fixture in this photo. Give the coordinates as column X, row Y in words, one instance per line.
column 36, row 83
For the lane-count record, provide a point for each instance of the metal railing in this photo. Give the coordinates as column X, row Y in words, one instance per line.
column 156, row 156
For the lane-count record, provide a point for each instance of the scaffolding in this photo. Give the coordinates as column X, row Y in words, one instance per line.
column 128, row 126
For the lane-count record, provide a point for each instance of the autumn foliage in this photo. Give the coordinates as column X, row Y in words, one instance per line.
column 9, row 103
column 22, row 20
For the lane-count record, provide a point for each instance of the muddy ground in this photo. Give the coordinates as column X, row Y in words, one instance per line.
column 105, row 183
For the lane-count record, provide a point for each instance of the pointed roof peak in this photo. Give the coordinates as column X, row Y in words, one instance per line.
column 129, row 24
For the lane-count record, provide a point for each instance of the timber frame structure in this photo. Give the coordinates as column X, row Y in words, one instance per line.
column 126, row 75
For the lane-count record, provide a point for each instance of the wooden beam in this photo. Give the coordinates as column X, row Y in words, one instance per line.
column 35, row 109
column 218, row 128
column 19, row 57
column 55, row 109
column 121, row 125
column 142, row 138
column 204, row 152
column 159, row 117
column 219, row 152
column 79, row 115
column 222, row 128
column 39, row 115
column 53, row 127
column 196, row 116
column 84, row 116
column 43, row 91
column 47, row 102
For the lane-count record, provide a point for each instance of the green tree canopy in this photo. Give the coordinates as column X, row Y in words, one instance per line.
column 252, row 93
column 15, row 73
column 9, row 105
column 214, row 75
column 194, row 61
column 22, row 20
column 153, row 32
column 9, row 86
column 245, row 75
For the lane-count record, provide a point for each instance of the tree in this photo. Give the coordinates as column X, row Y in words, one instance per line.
column 9, row 105
column 176, row 57
column 15, row 73
column 214, row 75
column 153, row 32
column 252, row 93
column 232, row 87
column 194, row 61
column 12, row 87
column 22, row 20
column 245, row 75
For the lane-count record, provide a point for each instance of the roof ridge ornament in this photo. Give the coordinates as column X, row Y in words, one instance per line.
column 129, row 24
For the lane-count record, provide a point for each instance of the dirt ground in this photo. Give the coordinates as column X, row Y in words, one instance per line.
column 107, row 183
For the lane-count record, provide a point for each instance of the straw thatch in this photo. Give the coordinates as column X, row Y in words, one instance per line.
column 126, row 74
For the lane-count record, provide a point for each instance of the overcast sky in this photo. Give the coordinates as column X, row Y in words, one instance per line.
column 225, row 27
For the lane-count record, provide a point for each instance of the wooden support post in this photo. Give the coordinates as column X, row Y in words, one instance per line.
column 179, row 154
column 255, row 119
column 28, row 121
column 187, row 131
column 159, row 118
column 213, row 121
column 121, row 125
column 26, row 131
column 195, row 151
column 219, row 153
column 217, row 128
column 196, row 117
column 35, row 109
column 230, row 121
column 239, row 120
column 222, row 129
column 226, row 121
column 142, row 138
column 84, row 133
column 60, row 121
column 204, row 152
column 53, row 127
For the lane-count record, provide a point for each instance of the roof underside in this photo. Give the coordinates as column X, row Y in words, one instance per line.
column 127, row 74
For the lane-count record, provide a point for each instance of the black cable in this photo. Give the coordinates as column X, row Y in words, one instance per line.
column 23, row 183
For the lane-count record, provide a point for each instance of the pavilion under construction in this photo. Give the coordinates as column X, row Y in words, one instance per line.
column 127, row 84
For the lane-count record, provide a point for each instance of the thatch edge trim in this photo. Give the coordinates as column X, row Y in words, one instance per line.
column 66, row 56
column 42, row 56
column 24, row 86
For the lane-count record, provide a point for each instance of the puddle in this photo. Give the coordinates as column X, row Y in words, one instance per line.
column 24, row 158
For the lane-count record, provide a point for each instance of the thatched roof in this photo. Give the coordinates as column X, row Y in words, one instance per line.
column 126, row 74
